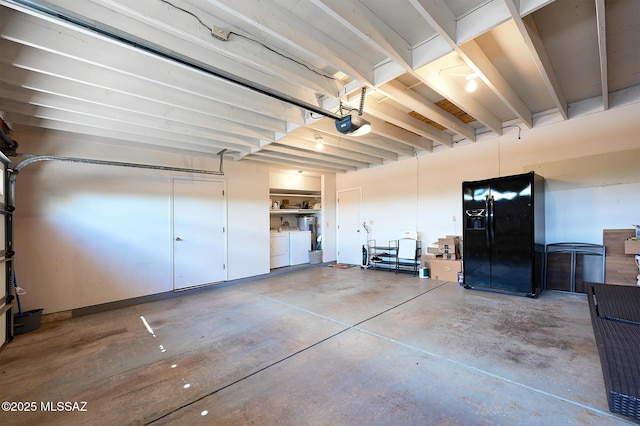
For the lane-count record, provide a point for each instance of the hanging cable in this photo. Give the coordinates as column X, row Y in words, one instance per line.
column 514, row 125
column 165, row 53
column 250, row 39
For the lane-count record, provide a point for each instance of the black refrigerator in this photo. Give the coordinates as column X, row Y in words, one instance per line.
column 503, row 234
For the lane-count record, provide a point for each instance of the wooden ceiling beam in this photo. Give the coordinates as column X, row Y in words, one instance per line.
column 602, row 50
column 415, row 102
column 531, row 36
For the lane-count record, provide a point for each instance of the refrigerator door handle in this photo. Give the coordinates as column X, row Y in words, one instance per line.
column 491, row 224
column 487, row 224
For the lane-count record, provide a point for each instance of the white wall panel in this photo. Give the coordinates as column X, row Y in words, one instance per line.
column 94, row 234
column 91, row 234
column 579, row 204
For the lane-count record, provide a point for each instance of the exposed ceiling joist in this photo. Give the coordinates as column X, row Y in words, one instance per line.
column 317, row 155
column 256, row 77
column 413, row 101
column 529, row 33
column 370, row 144
column 302, row 162
column 307, row 139
column 602, row 50
column 363, row 23
column 481, row 64
column 411, row 124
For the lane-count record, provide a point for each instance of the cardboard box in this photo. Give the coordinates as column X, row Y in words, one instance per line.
column 450, row 245
column 425, row 260
column 445, row 270
column 434, row 251
column 632, row 247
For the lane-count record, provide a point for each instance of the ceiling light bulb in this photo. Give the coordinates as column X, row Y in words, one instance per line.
column 319, row 144
column 363, row 130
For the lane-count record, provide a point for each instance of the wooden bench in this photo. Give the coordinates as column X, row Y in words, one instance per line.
column 615, row 316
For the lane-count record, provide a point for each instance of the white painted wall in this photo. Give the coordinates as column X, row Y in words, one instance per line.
column 294, row 180
column 591, row 165
column 90, row 234
column 248, row 219
column 329, row 232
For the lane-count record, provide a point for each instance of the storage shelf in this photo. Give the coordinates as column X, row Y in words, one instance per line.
column 386, row 257
column 294, row 211
column 299, row 200
column 303, row 195
column 295, row 192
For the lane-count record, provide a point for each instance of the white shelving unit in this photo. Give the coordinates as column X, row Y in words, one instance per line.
column 299, row 202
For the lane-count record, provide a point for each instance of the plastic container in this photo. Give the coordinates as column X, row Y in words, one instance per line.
column 29, row 321
column 315, row 256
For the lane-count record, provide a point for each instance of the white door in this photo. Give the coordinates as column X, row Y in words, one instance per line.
column 349, row 237
column 198, row 233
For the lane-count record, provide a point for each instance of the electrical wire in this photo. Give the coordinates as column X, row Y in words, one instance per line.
column 284, row 56
column 185, row 11
column 504, row 127
column 514, row 125
column 252, row 40
column 167, row 54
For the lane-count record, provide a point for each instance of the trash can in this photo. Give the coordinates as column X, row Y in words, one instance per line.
column 315, row 256
column 29, row 321
column 424, row 273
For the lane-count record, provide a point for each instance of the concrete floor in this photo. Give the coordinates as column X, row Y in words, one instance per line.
column 320, row 346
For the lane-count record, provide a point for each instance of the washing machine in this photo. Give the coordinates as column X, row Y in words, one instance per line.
column 279, row 246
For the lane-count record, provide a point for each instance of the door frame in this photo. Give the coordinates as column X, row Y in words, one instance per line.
column 338, row 242
column 224, row 223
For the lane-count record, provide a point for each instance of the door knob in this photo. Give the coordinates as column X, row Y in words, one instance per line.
column 179, row 239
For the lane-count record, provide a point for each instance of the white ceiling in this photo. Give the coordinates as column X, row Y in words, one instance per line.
column 151, row 74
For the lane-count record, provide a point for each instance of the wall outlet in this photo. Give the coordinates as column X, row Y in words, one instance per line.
column 454, row 218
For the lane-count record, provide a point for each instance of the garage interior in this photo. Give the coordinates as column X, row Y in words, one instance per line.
column 156, row 150
column 339, row 346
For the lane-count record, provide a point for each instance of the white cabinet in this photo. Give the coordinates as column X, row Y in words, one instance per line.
column 279, row 249
column 299, row 246
column 290, row 248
